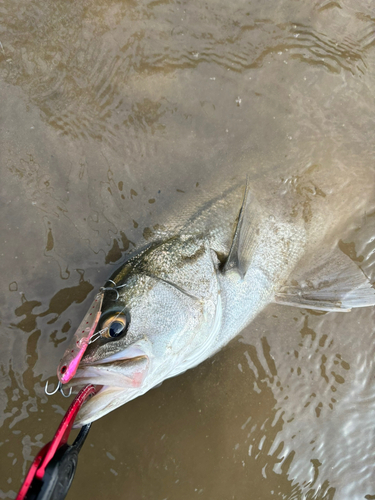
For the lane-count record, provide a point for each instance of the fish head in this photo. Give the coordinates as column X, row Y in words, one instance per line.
column 157, row 320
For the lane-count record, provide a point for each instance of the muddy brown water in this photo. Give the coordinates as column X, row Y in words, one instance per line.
column 111, row 114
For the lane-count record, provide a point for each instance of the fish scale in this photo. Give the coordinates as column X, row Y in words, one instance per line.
column 189, row 294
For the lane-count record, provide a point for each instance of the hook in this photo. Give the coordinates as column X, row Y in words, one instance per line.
column 66, row 395
column 58, row 388
column 110, row 289
column 54, row 392
column 114, row 288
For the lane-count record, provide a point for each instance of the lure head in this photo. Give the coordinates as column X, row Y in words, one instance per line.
column 159, row 320
column 69, row 362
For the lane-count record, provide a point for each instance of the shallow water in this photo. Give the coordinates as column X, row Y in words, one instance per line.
column 112, row 115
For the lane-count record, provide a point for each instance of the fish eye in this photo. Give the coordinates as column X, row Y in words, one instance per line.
column 114, row 326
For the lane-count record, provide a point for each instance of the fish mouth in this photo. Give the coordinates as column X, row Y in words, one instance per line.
column 128, row 372
column 113, row 376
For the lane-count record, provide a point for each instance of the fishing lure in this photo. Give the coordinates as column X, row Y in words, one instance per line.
column 72, row 356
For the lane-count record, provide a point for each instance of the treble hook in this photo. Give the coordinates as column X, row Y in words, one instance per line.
column 110, row 289
column 59, row 387
column 66, row 395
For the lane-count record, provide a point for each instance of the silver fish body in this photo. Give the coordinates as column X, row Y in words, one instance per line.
column 188, row 295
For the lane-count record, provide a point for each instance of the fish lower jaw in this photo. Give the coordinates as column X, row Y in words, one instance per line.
column 107, row 399
column 86, row 415
column 110, row 397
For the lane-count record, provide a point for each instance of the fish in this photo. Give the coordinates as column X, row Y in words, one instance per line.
column 179, row 299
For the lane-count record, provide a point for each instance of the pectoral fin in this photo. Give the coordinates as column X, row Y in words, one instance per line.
column 333, row 282
column 243, row 243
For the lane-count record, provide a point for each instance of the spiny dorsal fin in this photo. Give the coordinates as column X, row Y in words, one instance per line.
column 243, row 243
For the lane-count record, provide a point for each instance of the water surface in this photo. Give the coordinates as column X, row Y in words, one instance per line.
column 112, row 115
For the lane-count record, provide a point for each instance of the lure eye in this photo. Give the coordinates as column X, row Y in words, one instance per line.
column 114, row 326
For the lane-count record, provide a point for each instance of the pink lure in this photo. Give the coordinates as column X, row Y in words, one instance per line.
column 73, row 355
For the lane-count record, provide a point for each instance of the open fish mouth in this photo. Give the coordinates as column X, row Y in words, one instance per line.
column 113, row 376
column 128, row 372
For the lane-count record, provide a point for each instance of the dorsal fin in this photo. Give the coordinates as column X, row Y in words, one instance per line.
column 242, row 247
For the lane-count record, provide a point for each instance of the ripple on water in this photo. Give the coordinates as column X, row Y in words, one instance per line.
column 322, row 380
column 85, row 79
column 132, row 82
